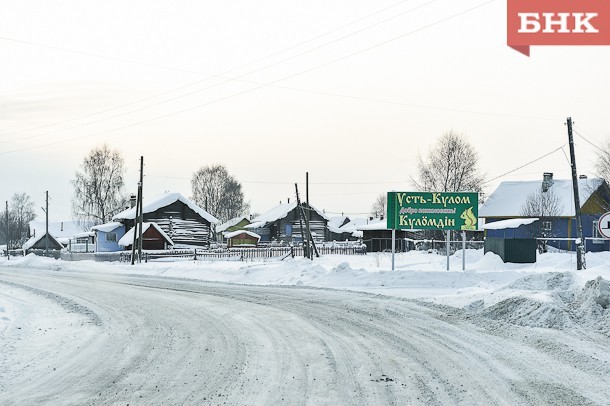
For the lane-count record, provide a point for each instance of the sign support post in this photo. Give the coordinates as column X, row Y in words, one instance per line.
column 447, row 247
column 463, row 250
column 393, row 246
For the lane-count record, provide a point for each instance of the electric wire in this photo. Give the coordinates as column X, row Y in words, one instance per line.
column 524, row 165
column 589, row 142
column 218, row 76
column 260, row 86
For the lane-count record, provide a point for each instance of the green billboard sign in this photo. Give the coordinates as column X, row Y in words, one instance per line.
column 433, row 211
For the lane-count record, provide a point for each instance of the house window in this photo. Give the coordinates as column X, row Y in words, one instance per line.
column 547, row 225
column 596, row 234
column 111, row 237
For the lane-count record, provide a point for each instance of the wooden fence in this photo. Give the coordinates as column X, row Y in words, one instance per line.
column 242, row 254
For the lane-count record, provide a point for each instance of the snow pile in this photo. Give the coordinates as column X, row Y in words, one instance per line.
column 592, row 305
column 551, row 300
column 529, row 312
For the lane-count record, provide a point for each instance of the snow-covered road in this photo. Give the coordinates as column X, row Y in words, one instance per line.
column 91, row 338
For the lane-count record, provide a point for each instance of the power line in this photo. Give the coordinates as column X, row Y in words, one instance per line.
column 589, row 142
column 524, row 165
column 566, row 156
column 262, row 85
column 289, row 183
column 219, row 76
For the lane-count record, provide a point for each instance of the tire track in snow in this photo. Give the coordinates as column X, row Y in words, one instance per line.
column 282, row 345
column 70, row 305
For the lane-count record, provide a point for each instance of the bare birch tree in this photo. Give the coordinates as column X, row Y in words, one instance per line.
column 450, row 166
column 98, row 186
column 544, row 205
column 218, row 192
column 380, row 206
column 21, row 213
column 602, row 163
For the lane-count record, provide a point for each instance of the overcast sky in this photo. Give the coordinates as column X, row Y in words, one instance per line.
column 352, row 91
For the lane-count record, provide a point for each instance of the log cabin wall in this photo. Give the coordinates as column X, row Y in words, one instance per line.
column 289, row 228
column 182, row 224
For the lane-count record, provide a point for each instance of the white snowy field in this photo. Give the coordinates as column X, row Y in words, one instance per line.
column 168, row 333
column 534, row 293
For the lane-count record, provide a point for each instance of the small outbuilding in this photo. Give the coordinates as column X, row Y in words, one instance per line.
column 512, row 240
column 153, row 238
column 235, row 224
column 378, row 237
column 39, row 244
column 107, row 236
column 242, row 238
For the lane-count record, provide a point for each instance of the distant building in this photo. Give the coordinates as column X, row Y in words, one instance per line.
column 39, row 244
column 108, row 236
column 180, row 218
column 378, row 237
column 242, row 238
column 282, row 223
column 62, row 231
column 508, row 200
column 237, row 223
column 342, row 228
column 153, row 238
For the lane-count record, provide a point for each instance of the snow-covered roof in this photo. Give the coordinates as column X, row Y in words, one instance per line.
column 154, row 204
column 127, row 239
column 354, row 223
column 334, row 223
column 84, row 234
column 32, row 241
column 375, row 224
column 508, row 199
column 233, row 222
column 278, row 212
column 238, row 232
column 108, row 227
column 59, row 229
column 510, row 223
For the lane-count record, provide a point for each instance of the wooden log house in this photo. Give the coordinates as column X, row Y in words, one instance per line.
column 180, row 218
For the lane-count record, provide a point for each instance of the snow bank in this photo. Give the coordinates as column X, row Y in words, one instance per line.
column 551, row 300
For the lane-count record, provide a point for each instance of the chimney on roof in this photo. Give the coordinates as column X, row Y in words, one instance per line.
column 288, row 200
column 132, row 201
column 547, row 181
column 582, row 177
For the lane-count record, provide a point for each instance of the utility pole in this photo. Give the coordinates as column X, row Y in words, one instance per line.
column 8, row 255
column 135, row 229
column 141, row 209
column 46, row 238
column 137, row 223
column 308, row 216
column 313, row 244
column 301, row 214
column 307, row 188
column 580, row 255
